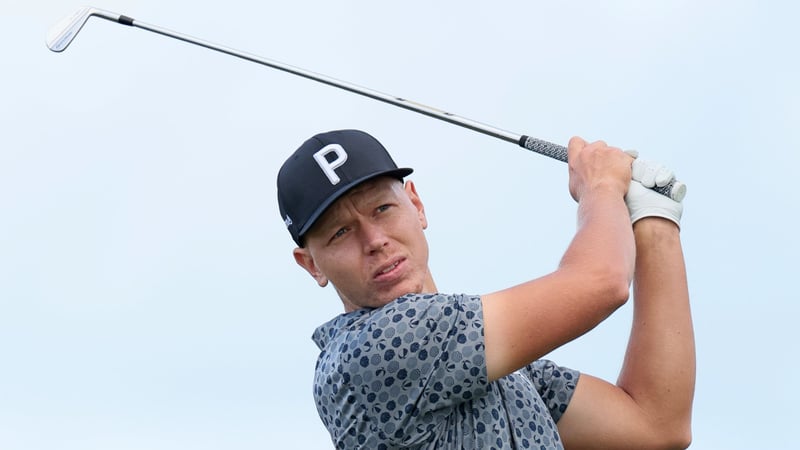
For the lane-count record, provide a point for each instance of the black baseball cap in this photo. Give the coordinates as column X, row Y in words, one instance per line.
column 323, row 169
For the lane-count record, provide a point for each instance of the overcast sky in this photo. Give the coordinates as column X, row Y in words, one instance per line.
column 148, row 298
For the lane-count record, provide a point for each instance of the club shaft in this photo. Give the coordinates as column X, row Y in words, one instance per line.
column 674, row 190
column 367, row 92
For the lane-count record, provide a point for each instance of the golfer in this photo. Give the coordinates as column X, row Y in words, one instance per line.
column 407, row 366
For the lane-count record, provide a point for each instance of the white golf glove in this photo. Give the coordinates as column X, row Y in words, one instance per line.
column 644, row 202
column 649, row 173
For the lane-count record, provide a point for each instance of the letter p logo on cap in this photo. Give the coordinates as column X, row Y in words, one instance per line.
column 328, row 167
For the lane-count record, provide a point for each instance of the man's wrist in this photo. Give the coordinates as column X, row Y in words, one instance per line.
column 654, row 225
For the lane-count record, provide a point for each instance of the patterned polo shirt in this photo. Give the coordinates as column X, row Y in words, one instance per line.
column 412, row 374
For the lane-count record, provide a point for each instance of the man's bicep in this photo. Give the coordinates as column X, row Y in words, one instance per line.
column 602, row 415
column 525, row 322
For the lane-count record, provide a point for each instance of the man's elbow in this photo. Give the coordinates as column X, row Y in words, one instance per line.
column 677, row 438
column 615, row 288
column 605, row 285
column 683, row 439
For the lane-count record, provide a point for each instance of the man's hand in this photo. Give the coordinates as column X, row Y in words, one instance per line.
column 650, row 174
column 597, row 165
column 644, row 202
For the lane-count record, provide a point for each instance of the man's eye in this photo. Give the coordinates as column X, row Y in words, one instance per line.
column 383, row 208
column 339, row 233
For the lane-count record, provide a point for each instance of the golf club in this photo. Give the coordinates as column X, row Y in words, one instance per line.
column 63, row 33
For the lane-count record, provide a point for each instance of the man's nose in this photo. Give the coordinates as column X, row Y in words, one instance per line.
column 374, row 236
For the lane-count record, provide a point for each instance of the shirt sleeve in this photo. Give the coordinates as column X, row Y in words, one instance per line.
column 554, row 383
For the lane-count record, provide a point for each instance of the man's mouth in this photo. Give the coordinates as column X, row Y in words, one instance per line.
column 388, row 268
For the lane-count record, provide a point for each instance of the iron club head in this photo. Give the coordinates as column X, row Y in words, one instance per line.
column 63, row 33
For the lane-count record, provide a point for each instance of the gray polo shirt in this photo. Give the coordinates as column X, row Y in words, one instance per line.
column 412, row 374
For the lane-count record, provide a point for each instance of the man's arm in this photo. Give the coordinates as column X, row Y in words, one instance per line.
column 525, row 322
column 650, row 406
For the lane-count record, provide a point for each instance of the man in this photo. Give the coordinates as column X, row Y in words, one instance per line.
column 408, row 367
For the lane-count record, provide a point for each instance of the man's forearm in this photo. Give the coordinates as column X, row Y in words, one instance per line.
column 659, row 368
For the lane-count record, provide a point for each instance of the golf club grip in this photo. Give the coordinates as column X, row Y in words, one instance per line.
column 674, row 190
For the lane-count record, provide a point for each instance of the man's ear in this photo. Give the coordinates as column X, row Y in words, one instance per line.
column 411, row 190
column 305, row 260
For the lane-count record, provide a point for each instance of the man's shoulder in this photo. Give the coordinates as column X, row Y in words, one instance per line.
column 407, row 310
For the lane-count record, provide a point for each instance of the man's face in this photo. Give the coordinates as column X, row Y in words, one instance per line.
column 370, row 245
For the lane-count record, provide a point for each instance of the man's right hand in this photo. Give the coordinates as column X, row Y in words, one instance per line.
column 597, row 165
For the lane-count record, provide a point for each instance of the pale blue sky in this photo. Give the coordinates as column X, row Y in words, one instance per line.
column 148, row 298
